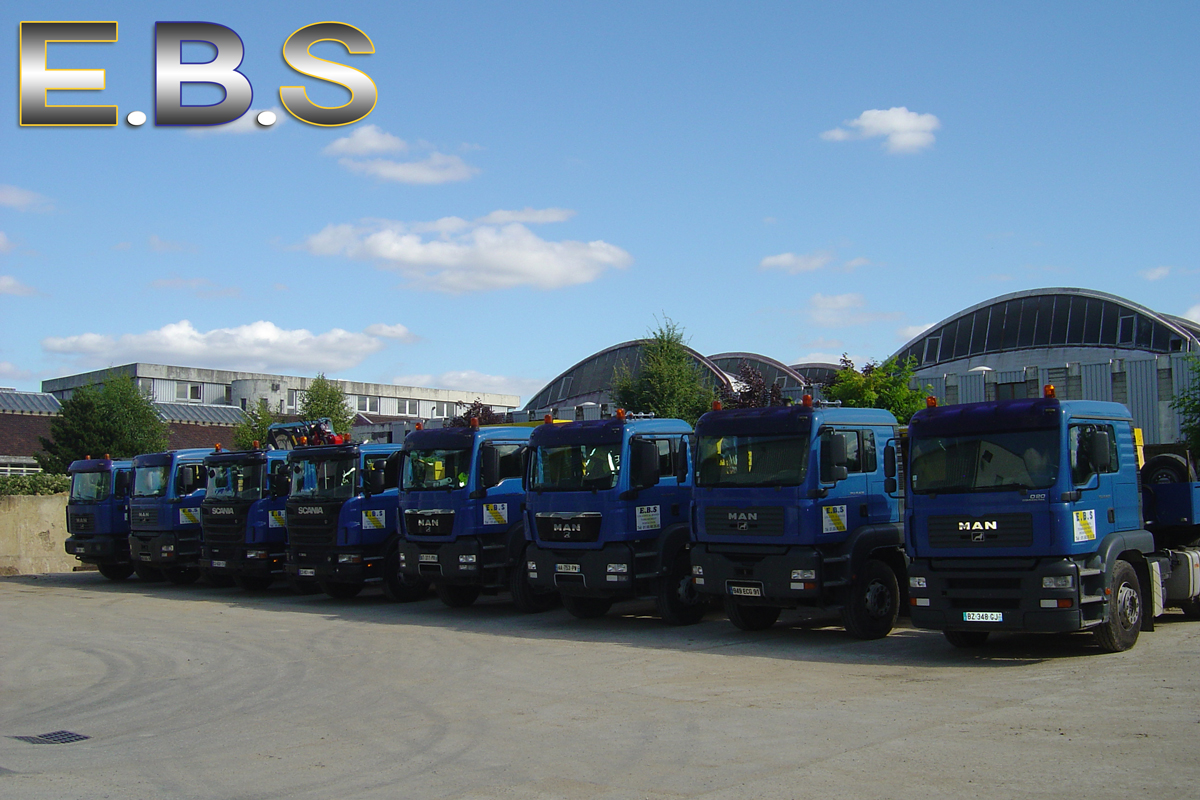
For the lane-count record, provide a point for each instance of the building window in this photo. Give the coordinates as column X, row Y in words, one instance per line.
column 1010, row 391
column 228, row 395
column 188, row 392
column 443, row 409
column 368, row 404
column 292, row 398
column 409, row 407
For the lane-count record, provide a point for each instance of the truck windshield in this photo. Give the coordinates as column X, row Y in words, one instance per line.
column 328, row 479
column 985, row 463
column 436, row 469
column 235, row 481
column 88, row 487
column 752, row 460
column 151, row 481
column 576, row 467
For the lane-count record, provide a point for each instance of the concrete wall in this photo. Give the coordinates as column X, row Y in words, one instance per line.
column 33, row 532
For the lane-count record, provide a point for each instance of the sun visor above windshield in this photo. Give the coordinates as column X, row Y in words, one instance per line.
column 440, row 439
column 604, row 431
column 1005, row 415
column 773, row 421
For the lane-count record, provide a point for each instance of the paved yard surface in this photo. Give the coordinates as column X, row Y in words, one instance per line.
column 197, row 692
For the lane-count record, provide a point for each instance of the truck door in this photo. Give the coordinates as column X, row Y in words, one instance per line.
column 1094, row 511
column 847, row 505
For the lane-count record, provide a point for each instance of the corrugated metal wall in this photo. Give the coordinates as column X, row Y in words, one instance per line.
column 1097, row 381
column 938, row 385
column 970, row 388
column 1143, row 396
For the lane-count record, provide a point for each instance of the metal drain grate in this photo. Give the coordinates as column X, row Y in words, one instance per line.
column 54, row 737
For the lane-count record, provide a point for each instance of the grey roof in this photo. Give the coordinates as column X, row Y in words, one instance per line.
column 29, row 403
column 772, row 371
column 197, row 413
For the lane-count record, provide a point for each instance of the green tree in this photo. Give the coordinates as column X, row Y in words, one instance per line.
column 325, row 398
column 752, row 390
column 477, row 410
column 254, row 427
column 116, row 418
column 668, row 381
column 878, row 385
column 1187, row 406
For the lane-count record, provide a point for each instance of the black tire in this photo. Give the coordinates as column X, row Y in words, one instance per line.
column 750, row 618
column 182, row 576
column 115, row 572
column 966, row 639
column 1166, row 468
column 676, row 597
column 524, row 597
column 456, row 595
column 254, row 583
column 586, row 607
column 341, row 591
column 1190, row 608
column 398, row 587
column 1120, row 631
column 148, row 573
column 219, row 579
column 302, row 586
column 874, row 601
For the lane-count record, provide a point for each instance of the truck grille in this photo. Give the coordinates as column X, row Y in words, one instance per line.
column 584, row 527
column 82, row 523
column 428, row 523
column 310, row 535
column 989, row 530
column 725, row 521
column 144, row 516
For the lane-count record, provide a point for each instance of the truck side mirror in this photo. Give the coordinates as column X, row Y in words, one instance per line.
column 489, row 466
column 187, row 482
column 837, row 457
column 1101, row 451
column 374, row 484
column 681, row 461
column 281, row 484
column 645, row 473
column 889, row 470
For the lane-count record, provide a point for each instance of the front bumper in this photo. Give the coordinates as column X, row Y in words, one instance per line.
column 469, row 560
column 164, row 549
column 962, row 595
column 232, row 560
column 605, row 572
column 788, row 579
column 333, row 565
column 92, row 549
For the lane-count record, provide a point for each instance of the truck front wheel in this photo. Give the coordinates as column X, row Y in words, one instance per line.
column 396, row 586
column 874, row 601
column 1120, row 631
column 677, row 599
column 524, row 597
column 750, row 618
column 115, row 572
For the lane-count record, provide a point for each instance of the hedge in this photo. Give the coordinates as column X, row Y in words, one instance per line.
column 38, row 483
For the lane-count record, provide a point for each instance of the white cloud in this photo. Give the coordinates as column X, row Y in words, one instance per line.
column 6, row 244
column 163, row 246
column 1156, row 273
column 437, row 168
column 22, row 199
column 258, row 347
column 365, row 141
column 1193, row 313
column 529, row 215
column 904, row 131
column 795, row 264
column 122, row 246
column 246, row 123
column 200, row 287
column 472, row 381
column 855, row 263
column 397, row 331
column 9, row 371
column 10, row 285
column 841, row 310
column 465, row 257
column 912, row 331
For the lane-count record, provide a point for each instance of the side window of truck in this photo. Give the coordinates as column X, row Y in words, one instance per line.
column 510, row 460
column 854, row 451
column 1079, row 445
column 199, row 477
column 666, row 456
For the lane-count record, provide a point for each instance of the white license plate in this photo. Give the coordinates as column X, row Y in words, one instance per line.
column 566, row 567
column 308, row 573
column 79, row 550
column 745, row 591
column 144, row 557
column 218, row 564
column 428, row 558
column 983, row 616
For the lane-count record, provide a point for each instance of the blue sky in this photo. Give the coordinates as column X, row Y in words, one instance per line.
column 541, row 181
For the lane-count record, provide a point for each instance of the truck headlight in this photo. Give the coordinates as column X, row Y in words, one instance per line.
column 617, row 569
column 804, row 574
column 1058, row 582
column 916, row 582
column 168, row 548
column 349, row 558
column 468, row 559
column 531, row 566
column 698, row 570
column 256, row 554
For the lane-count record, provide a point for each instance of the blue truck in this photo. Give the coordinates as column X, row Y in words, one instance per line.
column 164, row 515
column 244, row 519
column 98, row 515
column 799, row 505
column 606, row 508
column 342, row 520
column 463, row 530
column 1029, row 515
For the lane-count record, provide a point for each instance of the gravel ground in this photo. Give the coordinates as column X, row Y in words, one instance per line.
column 197, row 692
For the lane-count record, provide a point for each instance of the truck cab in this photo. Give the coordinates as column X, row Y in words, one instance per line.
column 798, row 506
column 98, row 515
column 164, row 513
column 342, row 519
column 606, row 509
column 243, row 516
column 1027, row 515
column 460, row 501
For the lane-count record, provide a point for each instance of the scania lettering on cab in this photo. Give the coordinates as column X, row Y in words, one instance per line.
column 799, row 506
column 164, row 514
column 244, row 517
column 463, row 530
column 607, row 508
column 342, row 519
column 1027, row 515
column 98, row 515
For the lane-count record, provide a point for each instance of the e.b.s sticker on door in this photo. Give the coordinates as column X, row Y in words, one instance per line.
column 1085, row 525
column 374, row 519
column 189, row 516
column 277, row 519
column 495, row 513
column 649, row 518
column 833, row 519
